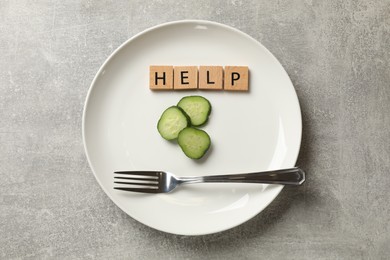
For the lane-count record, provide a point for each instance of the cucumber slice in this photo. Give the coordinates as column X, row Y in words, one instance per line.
column 197, row 108
column 194, row 142
column 171, row 122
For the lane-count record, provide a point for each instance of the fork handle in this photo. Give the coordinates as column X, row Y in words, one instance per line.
column 291, row 176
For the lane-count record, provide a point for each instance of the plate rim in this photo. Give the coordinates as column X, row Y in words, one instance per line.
column 278, row 188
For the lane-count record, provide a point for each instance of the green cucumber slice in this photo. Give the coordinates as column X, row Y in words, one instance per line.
column 171, row 122
column 194, row 142
column 197, row 108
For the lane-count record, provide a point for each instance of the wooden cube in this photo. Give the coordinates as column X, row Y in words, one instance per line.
column 236, row 78
column 185, row 77
column 211, row 77
column 161, row 77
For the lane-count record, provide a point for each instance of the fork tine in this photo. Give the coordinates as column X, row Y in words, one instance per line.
column 144, row 173
column 137, row 179
column 138, row 190
column 137, row 183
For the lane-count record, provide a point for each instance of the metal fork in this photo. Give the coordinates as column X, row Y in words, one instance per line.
column 163, row 182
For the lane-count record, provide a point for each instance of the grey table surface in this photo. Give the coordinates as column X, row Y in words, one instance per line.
column 337, row 54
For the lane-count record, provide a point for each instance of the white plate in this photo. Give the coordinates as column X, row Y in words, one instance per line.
column 253, row 131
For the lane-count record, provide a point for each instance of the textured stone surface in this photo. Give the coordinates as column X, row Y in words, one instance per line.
column 337, row 54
